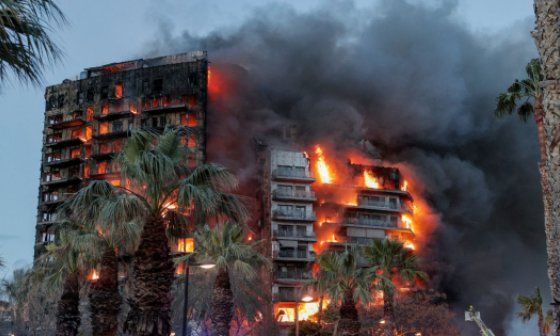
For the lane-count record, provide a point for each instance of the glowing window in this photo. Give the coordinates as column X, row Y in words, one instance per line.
column 89, row 113
column 102, row 167
column 103, row 148
column 192, row 122
column 115, row 182
column 185, row 245
column 192, row 101
column 74, row 153
column 76, row 133
column 118, row 90
column 86, row 171
column 104, row 128
column 105, row 109
column 88, row 133
column 192, row 141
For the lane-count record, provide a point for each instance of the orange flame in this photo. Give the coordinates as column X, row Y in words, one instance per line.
column 325, row 174
column 409, row 245
column 93, row 275
column 370, row 181
column 404, row 186
column 407, row 221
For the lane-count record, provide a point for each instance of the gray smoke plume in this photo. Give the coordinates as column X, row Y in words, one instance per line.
column 421, row 87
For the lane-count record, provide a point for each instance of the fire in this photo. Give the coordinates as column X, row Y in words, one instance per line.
column 93, row 275
column 404, row 186
column 409, row 245
column 370, row 181
column 307, row 311
column 325, row 174
column 407, row 221
column 185, row 245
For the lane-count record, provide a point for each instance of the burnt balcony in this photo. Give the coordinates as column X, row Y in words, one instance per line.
column 112, row 115
column 292, row 175
column 293, row 255
column 383, row 206
column 66, row 122
column 166, row 108
column 293, row 216
column 377, row 224
column 285, row 296
column 64, row 142
column 294, row 195
column 293, row 275
column 294, row 234
column 114, row 134
column 61, row 162
column 60, row 181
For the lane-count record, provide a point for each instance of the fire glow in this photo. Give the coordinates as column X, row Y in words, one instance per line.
column 323, row 169
column 370, row 181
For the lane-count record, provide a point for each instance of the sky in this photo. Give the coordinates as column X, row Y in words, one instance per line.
column 105, row 31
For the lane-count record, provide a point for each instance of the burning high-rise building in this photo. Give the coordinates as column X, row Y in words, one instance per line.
column 87, row 120
column 311, row 204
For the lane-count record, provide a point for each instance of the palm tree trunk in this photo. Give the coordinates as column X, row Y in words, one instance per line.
column 349, row 324
column 104, row 297
column 547, row 38
column 320, row 313
column 152, row 278
column 388, row 311
column 222, row 304
column 540, row 322
column 68, row 310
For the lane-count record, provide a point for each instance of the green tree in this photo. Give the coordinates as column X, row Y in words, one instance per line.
column 346, row 280
column 25, row 45
column 226, row 246
column 531, row 306
column 97, row 207
column 63, row 265
column 159, row 185
column 391, row 262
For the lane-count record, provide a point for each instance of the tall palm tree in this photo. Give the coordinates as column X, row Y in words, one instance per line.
column 343, row 276
column 226, row 246
column 533, row 305
column 94, row 207
column 392, row 263
column 525, row 97
column 547, row 35
column 64, row 264
column 25, row 45
column 159, row 183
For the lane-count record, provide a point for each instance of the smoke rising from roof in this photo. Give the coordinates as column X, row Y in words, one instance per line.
column 419, row 85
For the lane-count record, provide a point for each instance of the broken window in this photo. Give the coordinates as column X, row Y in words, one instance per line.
column 75, row 152
column 89, row 113
column 104, row 92
column 105, row 109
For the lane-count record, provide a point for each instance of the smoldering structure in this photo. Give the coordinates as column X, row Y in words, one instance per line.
column 88, row 119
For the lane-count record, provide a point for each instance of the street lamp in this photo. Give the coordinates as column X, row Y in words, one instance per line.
column 306, row 298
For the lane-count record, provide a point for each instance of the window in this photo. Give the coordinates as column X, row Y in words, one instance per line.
column 88, row 152
column 75, row 152
column 118, row 90
column 185, row 245
column 104, row 128
column 80, row 97
column 192, row 101
column 60, row 101
column 90, row 94
column 115, row 182
column 157, row 85
column 104, row 148
column 104, row 92
column 89, row 113
column 86, row 171
column 102, row 167
column 192, row 141
column 105, row 109
column 76, row 133
column 117, row 126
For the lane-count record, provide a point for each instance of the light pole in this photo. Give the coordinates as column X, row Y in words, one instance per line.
column 186, row 267
column 305, row 298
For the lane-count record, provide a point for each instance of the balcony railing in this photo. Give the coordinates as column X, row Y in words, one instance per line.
column 63, row 162
column 292, row 174
column 293, row 234
column 61, row 142
column 61, row 180
column 293, row 275
column 285, row 296
column 384, row 206
column 294, row 195
column 66, row 122
column 293, row 215
column 372, row 223
column 294, row 254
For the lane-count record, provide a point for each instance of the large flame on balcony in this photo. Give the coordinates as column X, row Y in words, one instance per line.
column 93, row 275
column 370, row 181
column 325, row 174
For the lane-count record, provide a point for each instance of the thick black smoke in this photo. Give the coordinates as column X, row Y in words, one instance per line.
column 419, row 84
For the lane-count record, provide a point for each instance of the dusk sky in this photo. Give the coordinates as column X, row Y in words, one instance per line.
column 106, row 31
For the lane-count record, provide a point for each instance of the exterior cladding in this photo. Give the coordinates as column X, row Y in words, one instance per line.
column 88, row 119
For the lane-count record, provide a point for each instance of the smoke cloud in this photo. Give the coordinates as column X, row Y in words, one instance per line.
column 421, row 86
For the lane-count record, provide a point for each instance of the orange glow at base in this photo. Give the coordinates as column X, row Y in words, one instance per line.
column 93, row 275
column 325, row 174
column 409, row 246
column 370, row 181
column 307, row 311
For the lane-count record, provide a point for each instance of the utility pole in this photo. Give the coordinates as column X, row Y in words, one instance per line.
column 474, row 316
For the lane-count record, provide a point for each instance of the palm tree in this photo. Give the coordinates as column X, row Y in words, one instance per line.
column 25, row 46
column 525, row 97
column 64, row 264
column 94, row 207
column 345, row 279
column 546, row 35
column 391, row 262
column 533, row 305
column 226, row 246
column 159, row 185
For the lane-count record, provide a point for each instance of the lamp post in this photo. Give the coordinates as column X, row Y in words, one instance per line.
column 186, row 267
column 305, row 298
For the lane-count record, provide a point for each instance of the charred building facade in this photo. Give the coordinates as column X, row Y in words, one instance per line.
column 87, row 120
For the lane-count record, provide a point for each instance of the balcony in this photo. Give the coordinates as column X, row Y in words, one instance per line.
column 382, row 206
column 64, row 180
column 294, row 234
column 61, row 163
column 293, row 216
column 65, row 123
column 118, row 133
column 286, row 296
column 293, row 275
column 294, row 195
column 293, row 255
column 372, row 224
column 292, row 175
column 166, row 108
column 64, row 142
column 112, row 115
